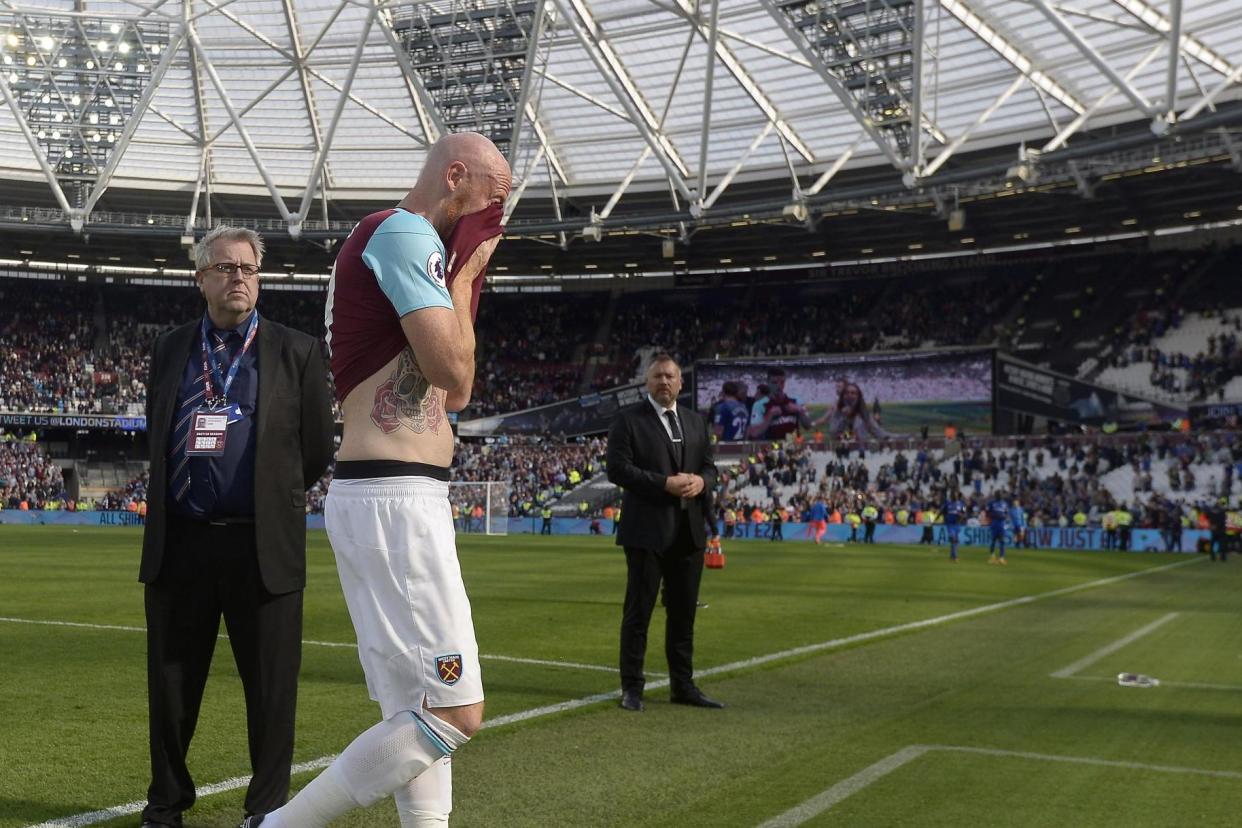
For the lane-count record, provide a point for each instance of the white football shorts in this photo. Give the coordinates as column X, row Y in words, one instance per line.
column 397, row 557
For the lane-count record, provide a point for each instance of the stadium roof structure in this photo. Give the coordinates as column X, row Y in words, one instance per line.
column 662, row 118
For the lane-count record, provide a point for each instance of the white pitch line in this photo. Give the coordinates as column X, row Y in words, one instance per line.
column 932, row 622
column 77, row 624
column 1194, row 685
column 348, row 645
column 80, row 820
column 1108, row 649
column 1088, row 760
column 845, row 788
column 826, row 799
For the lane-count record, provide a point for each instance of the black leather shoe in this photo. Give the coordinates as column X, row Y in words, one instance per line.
column 632, row 700
column 695, row 698
column 252, row 821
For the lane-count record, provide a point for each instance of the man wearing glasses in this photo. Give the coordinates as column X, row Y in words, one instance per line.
column 228, row 394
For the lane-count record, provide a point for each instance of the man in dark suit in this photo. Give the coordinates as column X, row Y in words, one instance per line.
column 240, row 425
column 661, row 455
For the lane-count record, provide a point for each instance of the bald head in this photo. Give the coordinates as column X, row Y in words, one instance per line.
column 464, row 173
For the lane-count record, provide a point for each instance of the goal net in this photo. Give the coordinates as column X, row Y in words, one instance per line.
column 481, row 507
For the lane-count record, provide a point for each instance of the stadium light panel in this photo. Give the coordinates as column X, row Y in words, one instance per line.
column 472, row 60
column 60, row 86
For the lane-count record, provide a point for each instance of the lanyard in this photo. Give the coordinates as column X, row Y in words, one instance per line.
column 211, row 367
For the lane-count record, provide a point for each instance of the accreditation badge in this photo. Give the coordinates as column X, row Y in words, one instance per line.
column 208, row 430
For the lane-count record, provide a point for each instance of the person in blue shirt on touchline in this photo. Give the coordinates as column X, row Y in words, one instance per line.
column 998, row 513
column 954, row 516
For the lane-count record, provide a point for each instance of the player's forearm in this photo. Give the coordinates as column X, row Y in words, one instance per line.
column 464, row 353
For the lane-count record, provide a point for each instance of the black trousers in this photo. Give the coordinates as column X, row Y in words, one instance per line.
column 680, row 567
column 212, row 571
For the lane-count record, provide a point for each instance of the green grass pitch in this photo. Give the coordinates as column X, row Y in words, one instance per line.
column 953, row 723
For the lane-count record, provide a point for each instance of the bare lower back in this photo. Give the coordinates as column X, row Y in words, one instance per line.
column 396, row 414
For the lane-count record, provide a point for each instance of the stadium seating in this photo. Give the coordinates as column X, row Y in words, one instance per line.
column 1178, row 356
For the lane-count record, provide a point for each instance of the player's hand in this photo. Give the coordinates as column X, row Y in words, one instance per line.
column 463, row 284
column 480, row 257
column 695, row 487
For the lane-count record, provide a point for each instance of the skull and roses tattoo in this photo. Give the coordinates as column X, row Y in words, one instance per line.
column 407, row 400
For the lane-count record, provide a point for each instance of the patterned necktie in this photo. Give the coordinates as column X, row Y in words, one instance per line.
column 180, row 476
column 678, row 443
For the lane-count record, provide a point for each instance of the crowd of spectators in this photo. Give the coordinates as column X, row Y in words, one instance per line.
column 538, row 473
column 82, row 348
column 1199, row 375
column 47, row 362
column 29, row 480
column 132, row 497
column 1178, row 480
column 1058, row 483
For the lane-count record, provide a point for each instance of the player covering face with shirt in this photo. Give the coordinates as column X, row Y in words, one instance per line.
column 401, row 336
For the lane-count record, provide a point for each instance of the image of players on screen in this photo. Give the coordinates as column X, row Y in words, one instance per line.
column 730, row 417
column 776, row 415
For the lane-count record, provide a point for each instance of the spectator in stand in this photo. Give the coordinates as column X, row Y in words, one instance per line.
column 28, row 476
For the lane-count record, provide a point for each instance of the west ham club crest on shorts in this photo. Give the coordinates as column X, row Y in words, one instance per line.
column 449, row 667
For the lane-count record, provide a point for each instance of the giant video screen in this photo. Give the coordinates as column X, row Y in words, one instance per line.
column 861, row 397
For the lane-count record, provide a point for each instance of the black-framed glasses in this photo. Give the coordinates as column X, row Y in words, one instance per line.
column 229, row 268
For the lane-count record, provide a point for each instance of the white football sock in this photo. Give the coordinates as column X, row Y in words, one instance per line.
column 372, row 767
column 427, row 800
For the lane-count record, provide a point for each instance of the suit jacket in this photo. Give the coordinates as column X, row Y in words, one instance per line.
column 293, row 445
column 640, row 458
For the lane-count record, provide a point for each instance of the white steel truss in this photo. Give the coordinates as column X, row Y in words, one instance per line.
column 986, row 32
column 726, row 57
column 321, row 63
column 582, row 24
column 1094, row 57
